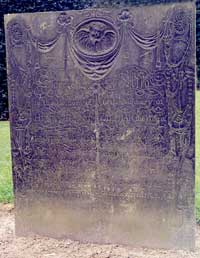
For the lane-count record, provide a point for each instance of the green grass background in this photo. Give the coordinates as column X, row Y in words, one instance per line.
column 197, row 151
column 6, row 186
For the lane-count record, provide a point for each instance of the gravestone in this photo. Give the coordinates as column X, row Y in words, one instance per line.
column 102, row 124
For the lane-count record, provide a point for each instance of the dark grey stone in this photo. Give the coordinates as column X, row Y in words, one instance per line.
column 102, row 119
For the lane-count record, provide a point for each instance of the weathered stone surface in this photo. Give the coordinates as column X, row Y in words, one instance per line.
column 101, row 105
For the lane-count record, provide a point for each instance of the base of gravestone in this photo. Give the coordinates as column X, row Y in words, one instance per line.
column 34, row 246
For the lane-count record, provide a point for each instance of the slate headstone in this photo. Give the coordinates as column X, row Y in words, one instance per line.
column 102, row 124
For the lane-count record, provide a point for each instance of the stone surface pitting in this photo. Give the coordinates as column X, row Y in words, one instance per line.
column 102, row 117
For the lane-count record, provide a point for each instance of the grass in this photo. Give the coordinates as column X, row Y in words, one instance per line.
column 197, row 145
column 6, row 187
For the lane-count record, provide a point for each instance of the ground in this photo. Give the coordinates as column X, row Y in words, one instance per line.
column 43, row 247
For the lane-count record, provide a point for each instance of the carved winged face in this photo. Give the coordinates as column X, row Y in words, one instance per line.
column 96, row 32
column 95, row 37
